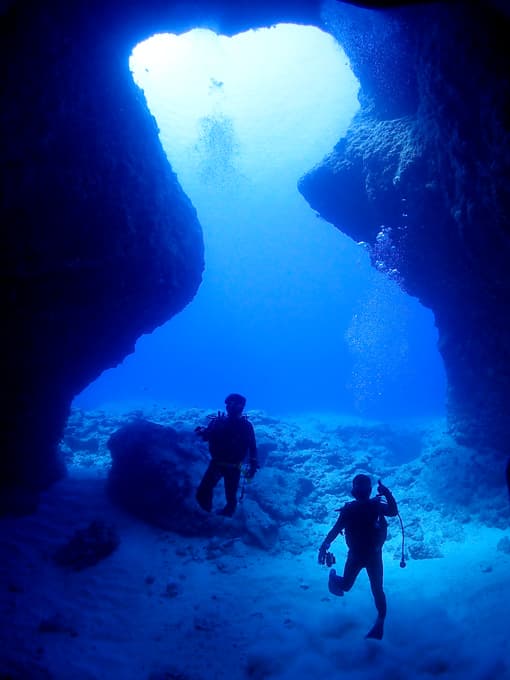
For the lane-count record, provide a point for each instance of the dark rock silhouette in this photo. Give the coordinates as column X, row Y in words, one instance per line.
column 420, row 178
column 100, row 245
column 88, row 546
column 154, row 475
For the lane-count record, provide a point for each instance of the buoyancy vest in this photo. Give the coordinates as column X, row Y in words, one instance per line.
column 230, row 438
column 365, row 526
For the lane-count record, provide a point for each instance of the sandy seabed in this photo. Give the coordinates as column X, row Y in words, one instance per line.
column 167, row 606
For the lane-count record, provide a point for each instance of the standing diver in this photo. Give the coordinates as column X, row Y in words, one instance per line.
column 231, row 437
column 365, row 532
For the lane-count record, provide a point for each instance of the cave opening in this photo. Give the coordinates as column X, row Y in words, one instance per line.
column 290, row 310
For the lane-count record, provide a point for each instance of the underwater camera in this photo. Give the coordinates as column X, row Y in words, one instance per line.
column 330, row 559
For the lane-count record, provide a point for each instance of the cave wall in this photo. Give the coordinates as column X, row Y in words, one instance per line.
column 421, row 178
column 100, row 245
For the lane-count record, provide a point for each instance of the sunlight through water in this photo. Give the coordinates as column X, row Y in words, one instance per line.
column 241, row 119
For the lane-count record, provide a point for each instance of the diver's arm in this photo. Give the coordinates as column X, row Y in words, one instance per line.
column 389, row 508
column 203, row 432
column 337, row 529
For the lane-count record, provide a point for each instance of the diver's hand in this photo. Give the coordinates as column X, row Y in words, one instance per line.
column 383, row 490
column 321, row 559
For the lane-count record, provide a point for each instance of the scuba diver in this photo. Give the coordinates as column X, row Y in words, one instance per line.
column 365, row 532
column 231, row 438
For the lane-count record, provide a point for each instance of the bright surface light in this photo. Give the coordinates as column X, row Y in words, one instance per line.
column 286, row 92
column 279, row 314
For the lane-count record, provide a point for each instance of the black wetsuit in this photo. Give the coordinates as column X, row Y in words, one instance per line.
column 365, row 532
column 230, row 440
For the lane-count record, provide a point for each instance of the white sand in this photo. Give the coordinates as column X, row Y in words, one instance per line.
column 232, row 611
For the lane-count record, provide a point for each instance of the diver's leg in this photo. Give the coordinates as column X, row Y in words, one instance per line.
column 375, row 575
column 353, row 566
column 204, row 494
column 231, row 477
column 340, row 584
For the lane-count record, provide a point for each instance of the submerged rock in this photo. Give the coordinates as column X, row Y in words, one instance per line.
column 154, row 474
column 419, row 180
column 88, row 546
column 57, row 624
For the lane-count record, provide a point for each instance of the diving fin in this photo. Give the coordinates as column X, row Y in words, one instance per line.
column 377, row 630
column 335, row 583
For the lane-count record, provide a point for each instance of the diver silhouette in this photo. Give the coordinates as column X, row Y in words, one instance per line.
column 365, row 533
column 231, row 439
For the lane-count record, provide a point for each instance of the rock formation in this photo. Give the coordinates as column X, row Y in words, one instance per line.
column 421, row 179
column 154, row 474
column 100, row 245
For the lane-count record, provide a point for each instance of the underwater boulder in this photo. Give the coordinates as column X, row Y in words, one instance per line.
column 88, row 546
column 154, row 474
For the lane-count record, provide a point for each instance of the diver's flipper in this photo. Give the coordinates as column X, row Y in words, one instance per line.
column 335, row 583
column 377, row 630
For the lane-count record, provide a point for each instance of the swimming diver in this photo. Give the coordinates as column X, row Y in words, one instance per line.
column 365, row 526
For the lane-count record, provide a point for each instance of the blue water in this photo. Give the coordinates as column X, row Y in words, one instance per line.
column 290, row 312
